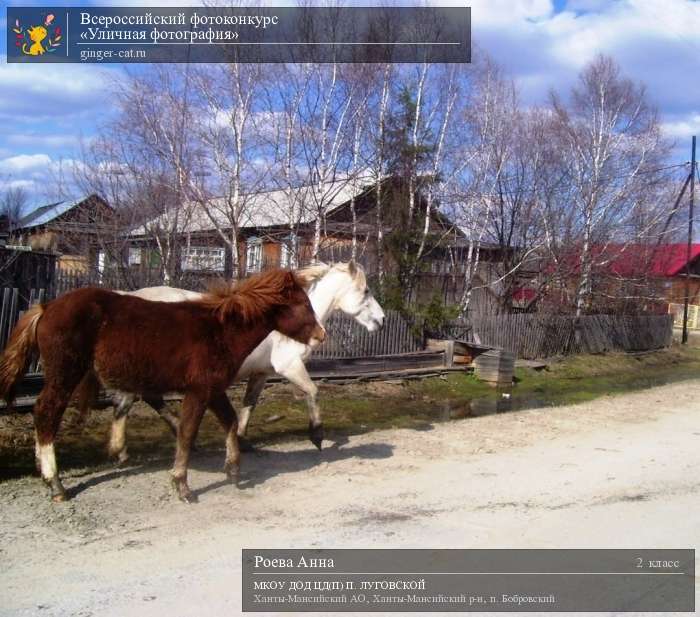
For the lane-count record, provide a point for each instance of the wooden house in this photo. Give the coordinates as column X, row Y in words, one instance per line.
column 71, row 228
column 277, row 228
column 631, row 278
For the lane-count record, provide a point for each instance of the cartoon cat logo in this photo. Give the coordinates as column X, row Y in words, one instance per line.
column 38, row 40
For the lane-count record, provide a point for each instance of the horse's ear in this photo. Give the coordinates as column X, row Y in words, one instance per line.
column 352, row 268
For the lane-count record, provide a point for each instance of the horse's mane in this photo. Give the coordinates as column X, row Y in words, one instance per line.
column 315, row 272
column 252, row 297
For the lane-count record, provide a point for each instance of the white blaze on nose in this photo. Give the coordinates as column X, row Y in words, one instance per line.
column 315, row 340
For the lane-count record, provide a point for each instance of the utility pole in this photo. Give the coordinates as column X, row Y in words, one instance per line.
column 684, row 338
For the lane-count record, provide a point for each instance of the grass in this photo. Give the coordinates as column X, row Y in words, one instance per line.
column 352, row 409
column 587, row 377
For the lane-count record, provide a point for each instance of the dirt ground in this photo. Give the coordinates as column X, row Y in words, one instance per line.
column 617, row 472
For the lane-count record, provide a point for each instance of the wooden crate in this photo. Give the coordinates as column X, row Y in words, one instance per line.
column 496, row 367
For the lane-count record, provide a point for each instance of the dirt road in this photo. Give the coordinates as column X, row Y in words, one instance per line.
column 620, row 472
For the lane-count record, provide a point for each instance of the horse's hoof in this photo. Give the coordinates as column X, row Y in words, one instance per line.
column 185, row 495
column 183, row 491
column 232, row 471
column 244, row 445
column 58, row 493
column 316, row 435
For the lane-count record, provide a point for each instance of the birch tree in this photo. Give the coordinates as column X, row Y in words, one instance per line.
column 438, row 177
column 483, row 115
column 142, row 160
column 13, row 200
column 282, row 130
column 609, row 137
column 325, row 117
column 227, row 135
column 381, row 93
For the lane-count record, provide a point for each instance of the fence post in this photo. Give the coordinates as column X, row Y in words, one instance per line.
column 450, row 353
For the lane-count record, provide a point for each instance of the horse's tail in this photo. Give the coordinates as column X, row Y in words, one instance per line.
column 18, row 354
column 86, row 395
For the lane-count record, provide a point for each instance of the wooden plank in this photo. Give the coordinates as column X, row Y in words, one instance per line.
column 4, row 316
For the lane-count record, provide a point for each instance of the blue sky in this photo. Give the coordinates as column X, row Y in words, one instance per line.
column 46, row 109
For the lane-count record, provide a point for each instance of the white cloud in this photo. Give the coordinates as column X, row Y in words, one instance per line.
column 683, row 128
column 47, row 90
column 508, row 12
column 23, row 163
column 28, row 185
column 654, row 41
column 577, row 38
column 36, row 173
column 35, row 140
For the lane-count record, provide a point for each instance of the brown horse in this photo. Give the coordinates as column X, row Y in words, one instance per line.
column 149, row 348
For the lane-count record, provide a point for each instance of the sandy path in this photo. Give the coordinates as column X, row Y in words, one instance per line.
column 620, row 472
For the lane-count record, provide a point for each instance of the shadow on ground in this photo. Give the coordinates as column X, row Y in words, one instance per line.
column 256, row 467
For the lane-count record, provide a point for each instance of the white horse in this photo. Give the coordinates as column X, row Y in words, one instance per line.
column 342, row 286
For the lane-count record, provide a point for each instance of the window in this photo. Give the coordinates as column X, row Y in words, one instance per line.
column 153, row 259
column 203, row 258
column 101, row 259
column 287, row 251
column 253, row 255
column 134, row 256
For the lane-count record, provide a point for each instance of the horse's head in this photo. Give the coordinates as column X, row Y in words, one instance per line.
column 356, row 299
column 295, row 317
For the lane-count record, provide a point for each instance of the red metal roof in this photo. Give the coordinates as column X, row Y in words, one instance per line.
column 634, row 260
column 524, row 294
column 665, row 260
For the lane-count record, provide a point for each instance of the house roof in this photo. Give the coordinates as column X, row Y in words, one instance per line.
column 46, row 214
column 524, row 294
column 265, row 209
column 666, row 260
column 632, row 260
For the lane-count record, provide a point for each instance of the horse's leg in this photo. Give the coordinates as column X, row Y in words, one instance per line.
column 37, row 454
column 48, row 411
column 117, row 437
column 221, row 406
column 297, row 374
column 168, row 415
column 85, row 396
column 193, row 407
column 165, row 412
column 122, row 405
column 254, row 387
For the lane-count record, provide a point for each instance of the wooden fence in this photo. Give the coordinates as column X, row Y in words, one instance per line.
column 527, row 335
column 348, row 339
column 66, row 280
column 13, row 304
column 693, row 315
column 539, row 336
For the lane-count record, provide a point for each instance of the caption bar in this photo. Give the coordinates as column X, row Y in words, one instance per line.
column 469, row 580
column 239, row 34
